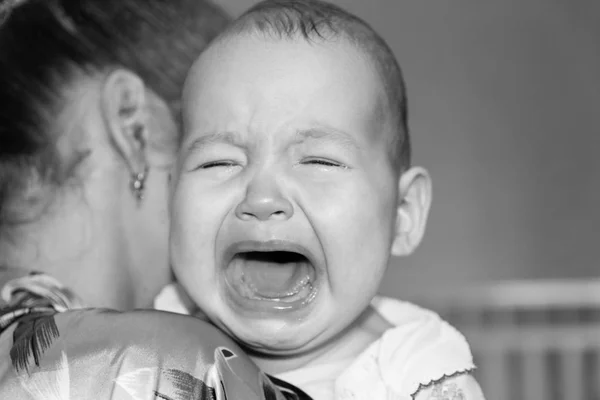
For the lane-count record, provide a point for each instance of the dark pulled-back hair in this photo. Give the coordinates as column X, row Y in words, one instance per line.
column 45, row 43
column 315, row 20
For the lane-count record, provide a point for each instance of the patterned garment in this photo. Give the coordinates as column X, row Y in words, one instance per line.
column 60, row 351
column 30, row 293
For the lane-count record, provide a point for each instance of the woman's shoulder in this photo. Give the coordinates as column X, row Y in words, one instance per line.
column 51, row 349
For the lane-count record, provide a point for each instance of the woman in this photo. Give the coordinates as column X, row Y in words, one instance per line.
column 88, row 108
column 89, row 98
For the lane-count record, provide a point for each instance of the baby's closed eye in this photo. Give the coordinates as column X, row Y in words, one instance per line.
column 214, row 164
column 323, row 161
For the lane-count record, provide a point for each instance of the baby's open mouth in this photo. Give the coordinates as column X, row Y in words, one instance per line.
column 280, row 276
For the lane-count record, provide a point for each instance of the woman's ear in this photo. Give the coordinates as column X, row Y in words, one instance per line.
column 125, row 112
column 413, row 210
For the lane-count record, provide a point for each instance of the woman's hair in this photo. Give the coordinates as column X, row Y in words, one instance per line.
column 44, row 44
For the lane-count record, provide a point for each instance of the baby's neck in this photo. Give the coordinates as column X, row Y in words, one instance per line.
column 347, row 345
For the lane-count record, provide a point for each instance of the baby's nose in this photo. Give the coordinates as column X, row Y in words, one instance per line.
column 264, row 201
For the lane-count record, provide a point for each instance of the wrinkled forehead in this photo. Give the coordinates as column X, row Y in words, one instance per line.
column 248, row 79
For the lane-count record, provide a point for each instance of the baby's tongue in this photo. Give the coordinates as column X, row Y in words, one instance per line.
column 270, row 276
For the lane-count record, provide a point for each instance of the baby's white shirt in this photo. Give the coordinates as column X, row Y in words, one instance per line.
column 420, row 350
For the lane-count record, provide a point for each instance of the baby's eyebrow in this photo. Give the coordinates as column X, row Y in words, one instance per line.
column 321, row 133
column 328, row 135
column 226, row 137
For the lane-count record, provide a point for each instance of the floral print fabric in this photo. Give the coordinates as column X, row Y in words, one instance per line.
column 55, row 349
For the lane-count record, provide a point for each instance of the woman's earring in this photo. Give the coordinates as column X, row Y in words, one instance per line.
column 138, row 184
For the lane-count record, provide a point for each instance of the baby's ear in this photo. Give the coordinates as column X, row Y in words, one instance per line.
column 413, row 210
column 124, row 109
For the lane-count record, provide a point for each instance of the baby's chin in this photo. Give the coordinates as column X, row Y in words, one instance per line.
column 275, row 337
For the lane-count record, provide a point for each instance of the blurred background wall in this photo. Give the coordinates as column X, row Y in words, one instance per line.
column 504, row 103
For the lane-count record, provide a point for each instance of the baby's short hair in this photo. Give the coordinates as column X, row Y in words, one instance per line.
column 319, row 20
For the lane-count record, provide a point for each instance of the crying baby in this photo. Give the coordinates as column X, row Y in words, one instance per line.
column 292, row 189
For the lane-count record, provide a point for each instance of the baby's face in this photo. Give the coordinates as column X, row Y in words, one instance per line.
column 285, row 199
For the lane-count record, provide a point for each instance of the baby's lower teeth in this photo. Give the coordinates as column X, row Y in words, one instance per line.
column 305, row 290
column 302, row 288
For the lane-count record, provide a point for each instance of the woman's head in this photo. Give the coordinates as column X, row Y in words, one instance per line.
column 89, row 94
